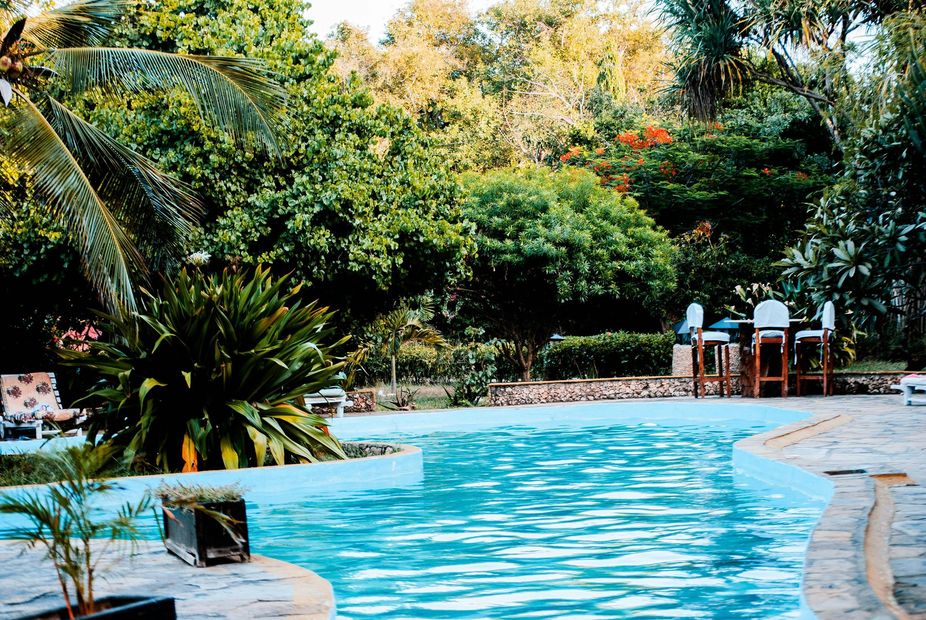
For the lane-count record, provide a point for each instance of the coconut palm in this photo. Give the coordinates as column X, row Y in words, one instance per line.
column 120, row 208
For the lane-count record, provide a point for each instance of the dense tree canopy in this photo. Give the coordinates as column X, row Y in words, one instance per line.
column 356, row 204
column 555, row 247
column 515, row 83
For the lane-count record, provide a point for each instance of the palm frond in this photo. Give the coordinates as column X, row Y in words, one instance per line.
column 711, row 64
column 156, row 209
column 81, row 23
column 108, row 254
column 233, row 94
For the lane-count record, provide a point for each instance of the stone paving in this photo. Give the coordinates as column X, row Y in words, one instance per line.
column 867, row 556
column 261, row 588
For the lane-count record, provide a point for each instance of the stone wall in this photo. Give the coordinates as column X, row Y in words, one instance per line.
column 359, row 450
column 578, row 390
column 364, row 401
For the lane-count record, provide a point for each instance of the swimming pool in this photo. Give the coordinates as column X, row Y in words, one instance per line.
column 574, row 516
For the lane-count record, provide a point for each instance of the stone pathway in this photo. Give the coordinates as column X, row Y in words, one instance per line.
column 867, row 556
column 262, row 588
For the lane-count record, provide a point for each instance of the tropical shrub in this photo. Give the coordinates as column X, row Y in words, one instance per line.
column 210, row 372
column 64, row 519
column 473, row 366
column 618, row 354
column 864, row 243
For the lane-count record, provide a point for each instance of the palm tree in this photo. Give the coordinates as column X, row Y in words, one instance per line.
column 117, row 205
column 807, row 42
column 406, row 324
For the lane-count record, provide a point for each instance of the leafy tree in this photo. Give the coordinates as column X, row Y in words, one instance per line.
column 356, row 204
column 512, row 84
column 118, row 206
column 810, row 44
column 555, row 247
column 752, row 189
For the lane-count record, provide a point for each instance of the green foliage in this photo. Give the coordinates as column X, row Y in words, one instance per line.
column 710, row 267
column 44, row 290
column 619, row 354
column 751, row 188
column 553, row 246
column 357, row 205
column 209, row 373
column 864, row 245
column 116, row 205
column 64, row 519
column 407, row 323
column 474, row 368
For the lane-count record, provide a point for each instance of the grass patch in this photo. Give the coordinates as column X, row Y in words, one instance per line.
column 874, row 366
column 23, row 469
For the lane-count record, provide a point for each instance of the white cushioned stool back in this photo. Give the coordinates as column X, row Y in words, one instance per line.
column 771, row 313
column 829, row 316
column 695, row 316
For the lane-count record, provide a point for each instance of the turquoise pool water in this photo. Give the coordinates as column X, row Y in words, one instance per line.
column 632, row 519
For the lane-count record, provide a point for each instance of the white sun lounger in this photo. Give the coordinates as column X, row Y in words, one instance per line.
column 330, row 396
column 910, row 385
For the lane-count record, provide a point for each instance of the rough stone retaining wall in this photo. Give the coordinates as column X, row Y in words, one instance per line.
column 578, row 390
column 364, row 402
column 359, row 450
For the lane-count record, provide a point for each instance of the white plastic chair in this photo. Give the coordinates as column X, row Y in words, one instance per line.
column 700, row 340
column 771, row 320
column 821, row 338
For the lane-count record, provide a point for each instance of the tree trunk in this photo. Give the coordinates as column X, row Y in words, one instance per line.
column 394, row 382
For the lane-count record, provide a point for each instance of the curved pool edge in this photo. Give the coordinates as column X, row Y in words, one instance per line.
column 835, row 582
column 401, row 468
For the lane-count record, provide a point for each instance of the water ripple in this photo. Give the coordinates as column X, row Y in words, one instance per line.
column 634, row 520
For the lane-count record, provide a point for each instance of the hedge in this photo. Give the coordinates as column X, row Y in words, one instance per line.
column 617, row 354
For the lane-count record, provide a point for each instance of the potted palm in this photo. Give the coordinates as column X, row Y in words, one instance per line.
column 205, row 525
column 62, row 520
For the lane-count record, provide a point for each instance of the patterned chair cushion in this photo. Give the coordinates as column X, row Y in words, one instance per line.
column 30, row 397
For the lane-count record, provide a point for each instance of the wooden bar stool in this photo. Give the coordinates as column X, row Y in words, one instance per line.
column 771, row 320
column 819, row 338
column 701, row 340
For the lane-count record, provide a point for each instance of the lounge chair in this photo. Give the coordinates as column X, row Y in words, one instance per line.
column 30, row 401
column 330, row 396
column 909, row 385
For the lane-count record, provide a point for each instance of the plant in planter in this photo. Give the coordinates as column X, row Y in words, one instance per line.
column 205, row 525
column 63, row 519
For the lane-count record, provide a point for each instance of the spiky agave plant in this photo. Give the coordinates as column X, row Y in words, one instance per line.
column 119, row 207
column 210, row 372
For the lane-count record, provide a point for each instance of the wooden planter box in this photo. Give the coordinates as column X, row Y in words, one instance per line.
column 199, row 540
column 121, row 608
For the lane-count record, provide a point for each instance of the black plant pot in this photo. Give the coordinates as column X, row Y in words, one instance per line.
column 199, row 540
column 120, row 608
